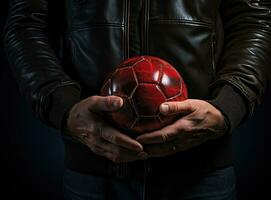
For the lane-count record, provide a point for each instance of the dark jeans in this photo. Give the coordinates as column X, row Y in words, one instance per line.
column 214, row 185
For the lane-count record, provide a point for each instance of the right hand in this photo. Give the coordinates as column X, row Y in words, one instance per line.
column 86, row 124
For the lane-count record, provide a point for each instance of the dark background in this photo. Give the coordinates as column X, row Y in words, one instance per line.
column 31, row 159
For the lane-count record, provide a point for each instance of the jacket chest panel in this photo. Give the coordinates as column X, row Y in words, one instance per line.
column 83, row 12
column 192, row 10
column 103, row 33
column 95, row 12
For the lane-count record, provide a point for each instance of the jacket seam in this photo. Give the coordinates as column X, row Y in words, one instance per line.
column 126, row 14
column 232, row 81
column 90, row 26
column 45, row 96
column 180, row 21
column 147, row 26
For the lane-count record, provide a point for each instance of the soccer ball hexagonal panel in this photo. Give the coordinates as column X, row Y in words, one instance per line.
column 153, row 97
column 170, row 82
column 124, row 121
column 147, row 72
column 123, row 82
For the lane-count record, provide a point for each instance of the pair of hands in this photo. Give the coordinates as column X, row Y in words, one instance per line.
column 201, row 122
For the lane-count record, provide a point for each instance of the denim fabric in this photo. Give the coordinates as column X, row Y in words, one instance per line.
column 77, row 186
column 204, row 185
column 193, row 185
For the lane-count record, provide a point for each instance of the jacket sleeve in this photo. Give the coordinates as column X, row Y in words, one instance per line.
column 36, row 67
column 246, row 60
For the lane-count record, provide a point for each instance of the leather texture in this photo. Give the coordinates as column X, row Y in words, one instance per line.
column 211, row 42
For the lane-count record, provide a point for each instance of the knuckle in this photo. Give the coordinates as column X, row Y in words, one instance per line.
column 93, row 101
column 179, row 107
column 171, row 106
column 189, row 105
column 174, row 107
column 93, row 98
column 108, row 101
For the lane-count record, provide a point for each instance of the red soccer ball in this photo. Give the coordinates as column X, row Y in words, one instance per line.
column 144, row 82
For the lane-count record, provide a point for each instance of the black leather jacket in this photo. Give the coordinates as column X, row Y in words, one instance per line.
column 215, row 44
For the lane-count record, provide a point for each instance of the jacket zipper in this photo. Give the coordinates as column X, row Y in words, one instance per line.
column 147, row 173
column 144, row 51
column 213, row 44
column 126, row 15
column 144, row 26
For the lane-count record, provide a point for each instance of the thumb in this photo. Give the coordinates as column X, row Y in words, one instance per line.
column 177, row 107
column 104, row 103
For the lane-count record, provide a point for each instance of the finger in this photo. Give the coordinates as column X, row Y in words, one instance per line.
column 180, row 128
column 107, row 103
column 120, row 154
column 102, row 152
column 177, row 107
column 160, row 136
column 115, row 153
column 81, row 134
column 115, row 137
column 160, row 150
column 181, row 144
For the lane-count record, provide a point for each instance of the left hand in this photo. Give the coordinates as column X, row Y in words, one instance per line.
column 201, row 122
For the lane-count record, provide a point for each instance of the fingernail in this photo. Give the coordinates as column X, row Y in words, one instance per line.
column 143, row 155
column 165, row 108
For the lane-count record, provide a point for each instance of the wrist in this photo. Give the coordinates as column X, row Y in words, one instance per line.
column 231, row 105
column 61, row 101
column 64, row 123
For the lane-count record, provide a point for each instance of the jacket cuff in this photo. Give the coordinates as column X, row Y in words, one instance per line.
column 61, row 101
column 231, row 104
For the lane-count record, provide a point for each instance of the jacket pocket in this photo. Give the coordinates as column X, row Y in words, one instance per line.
column 92, row 12
column 95, row 51
column 189, row 46
column 193, row 10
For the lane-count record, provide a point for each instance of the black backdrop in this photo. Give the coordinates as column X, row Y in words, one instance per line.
column 32, row 155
